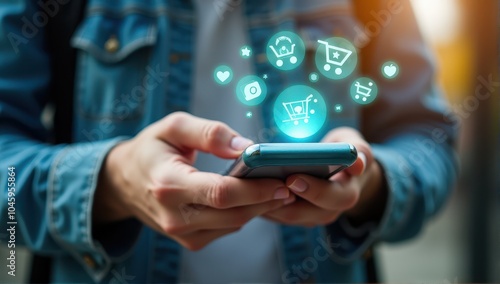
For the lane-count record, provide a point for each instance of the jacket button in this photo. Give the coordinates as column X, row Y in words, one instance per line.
column 89, row 261
column 112, row 44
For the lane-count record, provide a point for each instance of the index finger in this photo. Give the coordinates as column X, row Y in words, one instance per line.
column 186, row 132
column 222, row 192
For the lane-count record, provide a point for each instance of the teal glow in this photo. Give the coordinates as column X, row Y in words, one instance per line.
column 364, row 91
column 300, row 111
column 246, row 51
column 313, row 77
column 285, row 50
column 223, row 75
column 251, row 90
column 338, row 108
column 336, row 58
column 390, row 70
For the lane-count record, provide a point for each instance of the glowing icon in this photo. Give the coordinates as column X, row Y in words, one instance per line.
column 390, row 70
column 245, row 51
column 223, row 75
column 265, row 76
column 300, row 111
column 285, row 50
column 338, row 108
column 249, row 114
column 333, row 57
column 252, row 91
column 336, row 58
column 313, row 77
column 364, row 91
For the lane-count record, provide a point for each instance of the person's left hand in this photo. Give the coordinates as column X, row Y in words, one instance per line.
column 349, row 191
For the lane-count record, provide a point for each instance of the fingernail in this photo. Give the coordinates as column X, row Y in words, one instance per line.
column 240, row 143
column 289, row 200
column 281, row 193
column 362, row 156
column 299, row 185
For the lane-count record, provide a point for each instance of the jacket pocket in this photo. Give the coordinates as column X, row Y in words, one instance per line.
column 113, row 58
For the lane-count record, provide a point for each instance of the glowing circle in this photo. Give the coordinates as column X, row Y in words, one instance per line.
column 363, row 91
column 285, row 50
column 251, row 90
column 338, row 54
column 390, row 70
column 300, row 111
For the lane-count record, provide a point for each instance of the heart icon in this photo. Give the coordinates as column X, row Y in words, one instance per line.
column 390, row 70
column 222, row 76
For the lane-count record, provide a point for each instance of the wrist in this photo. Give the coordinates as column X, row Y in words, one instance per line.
column 373, row 197
column 108, row 205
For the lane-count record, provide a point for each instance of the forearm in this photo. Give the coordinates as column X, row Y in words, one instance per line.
column 420, row 173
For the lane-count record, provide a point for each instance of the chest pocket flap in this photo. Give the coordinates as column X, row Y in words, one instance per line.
column 111, row 39
column 114, row 53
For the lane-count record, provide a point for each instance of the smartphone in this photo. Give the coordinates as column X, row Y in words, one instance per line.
column 279, row 160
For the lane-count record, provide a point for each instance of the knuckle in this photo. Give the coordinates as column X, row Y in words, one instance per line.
column 177, row 117
column 172, row 228
column 219, row 193
column 163, row 191
column 164, row 180
column 174, row 120
column 212, row 133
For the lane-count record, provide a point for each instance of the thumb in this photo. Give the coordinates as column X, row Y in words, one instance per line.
column 350, row 135
column 187, row 132
column 359, row 166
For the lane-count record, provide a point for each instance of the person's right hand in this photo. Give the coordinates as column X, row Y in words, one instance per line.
column 151, row 178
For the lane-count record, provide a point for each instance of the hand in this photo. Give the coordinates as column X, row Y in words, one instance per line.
column 151, row 178
column 349, row 192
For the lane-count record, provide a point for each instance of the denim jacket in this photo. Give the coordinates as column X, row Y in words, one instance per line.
column 135, row 61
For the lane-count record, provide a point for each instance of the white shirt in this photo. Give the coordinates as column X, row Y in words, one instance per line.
column 251, row 254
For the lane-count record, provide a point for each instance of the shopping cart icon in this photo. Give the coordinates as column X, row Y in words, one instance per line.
column 362, row 92
column 298, row 110
column 336, row 56
column 285, row 48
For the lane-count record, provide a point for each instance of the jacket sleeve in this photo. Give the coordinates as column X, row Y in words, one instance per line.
column 411, row 133
column 54, row 184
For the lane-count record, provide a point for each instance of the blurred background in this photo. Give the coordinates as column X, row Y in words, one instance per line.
column 462, row 244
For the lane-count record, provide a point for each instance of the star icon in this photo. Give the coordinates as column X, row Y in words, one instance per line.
column 245, row 51
column 336, row 55
column 265, row 76
column 249, row 114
